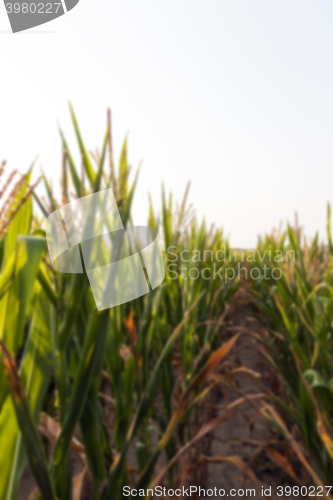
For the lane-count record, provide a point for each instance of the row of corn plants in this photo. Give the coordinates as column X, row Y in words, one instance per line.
column 123, row 385
column 297, row 310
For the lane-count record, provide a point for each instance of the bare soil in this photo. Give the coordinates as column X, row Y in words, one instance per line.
column 241, row 435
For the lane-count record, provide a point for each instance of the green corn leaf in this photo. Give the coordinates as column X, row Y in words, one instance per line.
column 2, row 251
column 79, row 282
column 166, row 221
column 126, row 206
column 49, row 192
column 40, row 204
column 21, row 222
column 151, row 218
column 7, row 274
column 92, row 430
column 212, row 362
column 97, row 183
column 315, row 379
column 86, row 160
column 34, row 374
column 45, row 282
column 15, row 303
column 95, row 336
column 117, row 470
column 72, row 168
column 122, row 181
column 91, row 422
column 78, row 286
column 329, row 233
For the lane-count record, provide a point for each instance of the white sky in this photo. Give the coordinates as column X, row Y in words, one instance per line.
column 235, row 96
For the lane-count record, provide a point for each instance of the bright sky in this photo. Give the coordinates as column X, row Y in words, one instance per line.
column 235, row 96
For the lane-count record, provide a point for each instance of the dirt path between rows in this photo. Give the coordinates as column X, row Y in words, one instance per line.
column 240, row 436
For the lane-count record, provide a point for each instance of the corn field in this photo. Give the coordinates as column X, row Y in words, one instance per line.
column 93, row 400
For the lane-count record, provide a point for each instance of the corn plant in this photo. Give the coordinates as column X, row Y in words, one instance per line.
column 298, row 312
column 63, row 360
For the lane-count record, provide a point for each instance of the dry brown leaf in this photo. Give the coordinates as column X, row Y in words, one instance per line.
column 205, row 429
column 272, row 413
column 125, row 353
column 11, row 371
column 211, row 364
column 49, row 424
column 131, row 327
column 281, row 461
column 50, row 428
column 107, row 398
column 219, row 377
column 237, row 462
column 240, row 401
column 204, row 373
column 77, row 484
column 33, row 494
column 321, row 427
